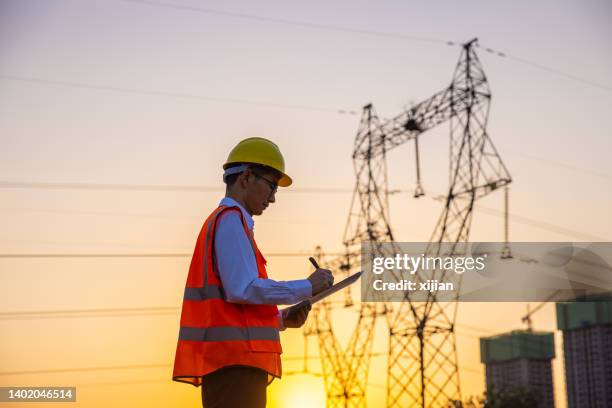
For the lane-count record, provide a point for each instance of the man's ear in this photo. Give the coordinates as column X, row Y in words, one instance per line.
column 244, row 178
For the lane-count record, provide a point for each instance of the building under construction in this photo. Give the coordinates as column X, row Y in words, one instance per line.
column 520, row 359
column 587, row 348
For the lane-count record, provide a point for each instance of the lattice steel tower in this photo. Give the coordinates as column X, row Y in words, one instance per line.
column 422, row 360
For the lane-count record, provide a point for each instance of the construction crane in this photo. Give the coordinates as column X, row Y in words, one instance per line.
column 422, row 362
column 530, row 312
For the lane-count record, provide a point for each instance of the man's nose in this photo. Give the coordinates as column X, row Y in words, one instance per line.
column 272, row 197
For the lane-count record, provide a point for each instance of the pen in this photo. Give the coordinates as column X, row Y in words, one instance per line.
column 314, row 262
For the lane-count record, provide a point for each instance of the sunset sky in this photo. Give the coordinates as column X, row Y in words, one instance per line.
column 157, row 93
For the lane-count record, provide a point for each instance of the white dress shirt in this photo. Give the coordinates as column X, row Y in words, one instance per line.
column 237, row 266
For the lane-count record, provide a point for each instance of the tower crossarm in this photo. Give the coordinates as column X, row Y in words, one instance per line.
column 410, row 123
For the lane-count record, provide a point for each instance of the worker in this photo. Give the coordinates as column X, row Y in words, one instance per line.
column 229, row 340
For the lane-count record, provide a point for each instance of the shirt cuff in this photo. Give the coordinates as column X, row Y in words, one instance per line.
column 302, row 288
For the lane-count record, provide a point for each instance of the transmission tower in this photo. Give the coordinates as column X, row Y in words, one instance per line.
column 422, row 360
column 422, row 364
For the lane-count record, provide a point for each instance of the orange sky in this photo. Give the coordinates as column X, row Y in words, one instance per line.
column 550, row 130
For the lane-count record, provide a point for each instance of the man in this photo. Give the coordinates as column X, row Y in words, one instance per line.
column 229, row 336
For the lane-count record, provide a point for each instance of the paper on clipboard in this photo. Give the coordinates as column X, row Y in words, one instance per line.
column 329, row 291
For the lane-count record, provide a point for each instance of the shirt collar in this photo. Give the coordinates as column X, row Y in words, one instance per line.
column 230, row 202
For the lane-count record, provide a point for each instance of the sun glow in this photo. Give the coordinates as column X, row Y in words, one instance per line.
column 297, row 391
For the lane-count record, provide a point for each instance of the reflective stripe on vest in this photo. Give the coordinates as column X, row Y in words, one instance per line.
column 208, row 234
column 209, row 292
column 215, row 333
column 228, row 333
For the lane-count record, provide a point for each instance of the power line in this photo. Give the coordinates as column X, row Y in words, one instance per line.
column 298, row 23
column 119, row 383
column 93, row 313
column 563, row 165
column 86, row 316
column 514, row 218
column 175, row 188
column 475, row 328
column 136, row 91
column 77, row 369
column 314, row 190
column 105, row 368
column 543, row 160
column 297, row 372
column 547, row 69
column 310, row 25
column 99, row 255
column 519, row 219
column 108, row 186
column 141, row 366
column 45, row 314
column 212, row 188
column 542, row 225
column 73, row 84
column 146, row 255
column 73, row 211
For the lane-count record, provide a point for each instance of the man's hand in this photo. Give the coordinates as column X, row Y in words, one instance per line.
column 297, row 318
column 320, row 280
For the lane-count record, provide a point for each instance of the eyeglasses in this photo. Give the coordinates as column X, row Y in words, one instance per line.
column 273, row 185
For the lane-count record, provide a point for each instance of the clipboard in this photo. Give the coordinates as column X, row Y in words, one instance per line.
column 327, row 292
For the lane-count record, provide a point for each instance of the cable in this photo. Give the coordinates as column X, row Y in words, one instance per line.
column 306, row 24
column 44, row 314
column 76, row 369
column 94, row 313
column 115, row 383
column 315, row 190
column 303, row 372
column 542, row 225
column 136, row 91
column 121, row 367
column 292, row 22
column 146, row 255
column 107, row 186
column 301, row 358
column 545, row 68
column 86, row 316
column 101, row 255
column 543, row 160
column 561, row 164
column 175, row 188
column 480, row 329
column 528, row 221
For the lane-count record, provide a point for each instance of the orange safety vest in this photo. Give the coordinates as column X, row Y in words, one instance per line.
column 215, row 333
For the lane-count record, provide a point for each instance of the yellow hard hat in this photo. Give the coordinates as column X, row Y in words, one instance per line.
column 262, row 151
